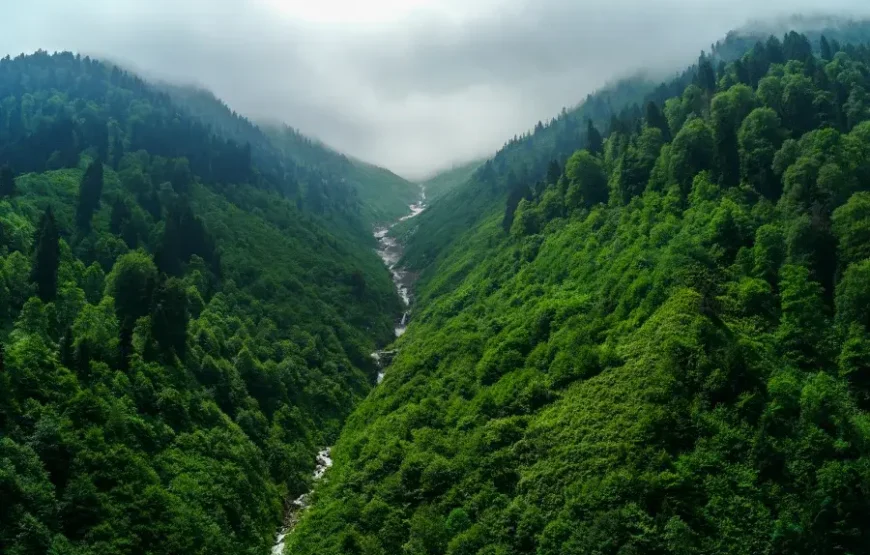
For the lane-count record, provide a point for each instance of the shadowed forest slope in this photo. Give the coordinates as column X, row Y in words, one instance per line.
column 178, row 335
column 321, row 180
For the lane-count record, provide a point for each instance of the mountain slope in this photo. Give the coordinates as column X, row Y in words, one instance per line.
column 177, row 338
column 666, row 354
column 384, row 196
column 443, row 182
column 322, row 179
column 527, row 159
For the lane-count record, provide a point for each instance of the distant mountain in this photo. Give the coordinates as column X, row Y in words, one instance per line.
column 320, row 178
column 657, row 345
column 527, row 158
column 383, row 195
column 445, row 181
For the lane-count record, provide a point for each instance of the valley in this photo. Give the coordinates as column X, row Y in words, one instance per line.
column 642, row 326
column 390, row 252
column 626, row 347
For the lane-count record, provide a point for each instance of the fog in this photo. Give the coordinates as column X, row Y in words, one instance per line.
column 412, row 85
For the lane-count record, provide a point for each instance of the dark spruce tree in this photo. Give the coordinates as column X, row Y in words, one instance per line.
column 518, row 190
column 654, row 118
column 554, row 171
column 185, row 235
column 117, row 151
column 825, row 48
column 169, row 318
column 706, row 78
column 7, row 182
column 90, row 191
column 594, row 142
column 47, row 257
column 120, row 215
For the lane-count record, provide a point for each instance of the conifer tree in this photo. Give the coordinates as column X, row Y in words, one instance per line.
column 47, row 257
column 655, row 118
column 706, row 78
column 825, row 48
column 594, row 142
column 89, row 195
column 7, row 182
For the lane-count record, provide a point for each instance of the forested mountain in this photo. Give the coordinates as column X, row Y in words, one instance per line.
column 660, row 345
column 443, row 182
column 177, row 336
column 527, row 158
column 321, row 179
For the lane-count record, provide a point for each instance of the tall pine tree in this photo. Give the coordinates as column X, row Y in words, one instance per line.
column 89, row 195
column 518, row 191
column 825, row 49
column 7, row 182
column 594, row 142
column 706, row 78
column 47, row 257
column 117, row 151
column 655, row 118
column 169, row 318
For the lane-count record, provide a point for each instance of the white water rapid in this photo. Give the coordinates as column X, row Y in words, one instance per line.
column 390, row 252
column 296, row 506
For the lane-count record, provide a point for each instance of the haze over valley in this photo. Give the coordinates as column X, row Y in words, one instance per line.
column 414, row 86
column 434, row 277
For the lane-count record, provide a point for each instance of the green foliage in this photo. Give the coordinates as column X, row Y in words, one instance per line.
column 178, row 338
column 691, row 152
column 443, row 182
column 760, row 137
column 47, row 257
column 587, row 182
column 90, row 192
column 340, row 183
column 680, row 370
column 852, row 227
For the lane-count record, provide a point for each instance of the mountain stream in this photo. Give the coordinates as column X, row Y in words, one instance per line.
column 390, row 251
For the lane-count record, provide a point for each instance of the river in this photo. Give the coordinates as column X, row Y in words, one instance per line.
column 296, row 506
column 390, row 251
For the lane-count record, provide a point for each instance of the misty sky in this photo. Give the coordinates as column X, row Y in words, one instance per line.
column 413, row 85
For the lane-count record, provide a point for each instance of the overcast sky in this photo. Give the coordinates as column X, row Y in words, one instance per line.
column 413, row 85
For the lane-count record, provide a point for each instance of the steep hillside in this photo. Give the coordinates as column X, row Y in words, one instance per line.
column 666, row 352
column 443, row 182
column 528, row 159
column 177, row 339
column 322, row 180
column 384, row 197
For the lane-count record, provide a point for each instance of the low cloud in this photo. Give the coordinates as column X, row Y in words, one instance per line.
column 415, row 91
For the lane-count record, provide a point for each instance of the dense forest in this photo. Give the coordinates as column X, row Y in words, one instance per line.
column 527, row 158
column 657, row 343
column 322, row 180
column 179, row 332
